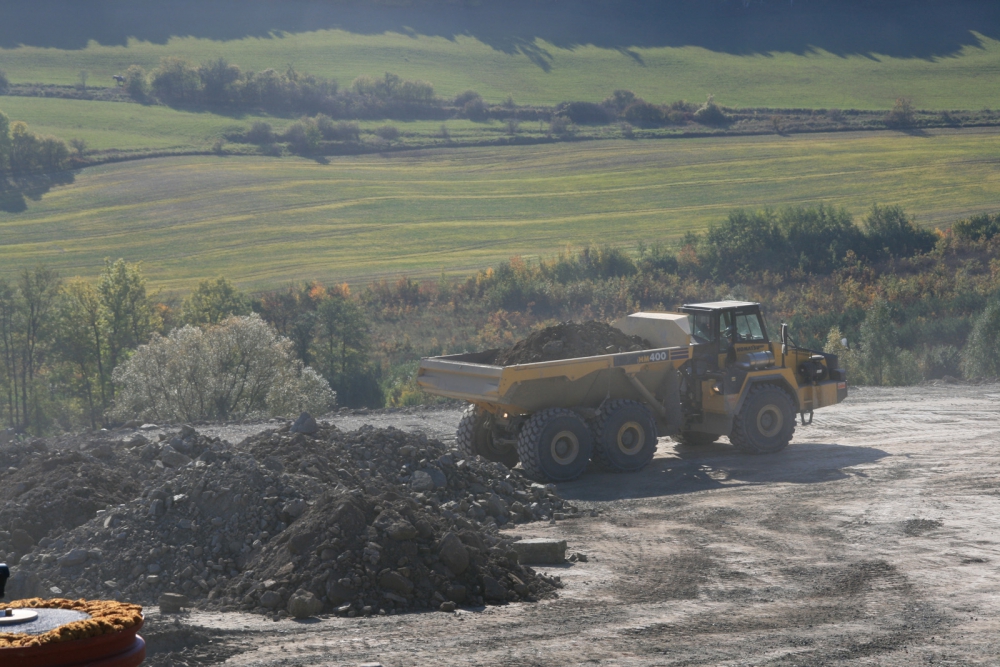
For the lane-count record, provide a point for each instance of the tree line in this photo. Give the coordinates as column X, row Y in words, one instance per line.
column 90, row 353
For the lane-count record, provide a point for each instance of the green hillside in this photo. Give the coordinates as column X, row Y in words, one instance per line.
column 264, row 222
column 543, row 73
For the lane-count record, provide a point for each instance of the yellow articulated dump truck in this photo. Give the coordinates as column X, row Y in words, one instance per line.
column 714, row 371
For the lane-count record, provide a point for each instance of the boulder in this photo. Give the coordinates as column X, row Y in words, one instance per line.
column 74, row 558
column 401, row 530
column 304, row 604
column 21, row 540
column 438, row 477
column 493, row 589
column 396, row 582
column 172, row 603
column 294, row 508
column 540, row 551
column 422, row 481
column 173, row 458
column 306, row 424
column 270, row 599
column 338, row 592
column 453, row 553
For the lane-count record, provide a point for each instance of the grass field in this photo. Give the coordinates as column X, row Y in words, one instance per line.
column 538, row 72
column 264, row 222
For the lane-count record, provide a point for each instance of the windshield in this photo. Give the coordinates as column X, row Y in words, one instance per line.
column 749, row 328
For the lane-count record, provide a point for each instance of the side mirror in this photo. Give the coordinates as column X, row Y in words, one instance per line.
column 784, row 338
column 4, row 576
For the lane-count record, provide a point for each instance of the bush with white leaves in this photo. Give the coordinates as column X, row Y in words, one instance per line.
column 237, row 369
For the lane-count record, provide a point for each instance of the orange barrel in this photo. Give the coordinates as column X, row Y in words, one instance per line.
column 121, row 648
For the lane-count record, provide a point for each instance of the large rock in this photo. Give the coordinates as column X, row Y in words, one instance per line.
column 172, row 603
column 74, row 558
column 173, row 458
column 401, row 530
column 21, row 540
column 438, row 477
column 492, row 589
column 540, row 551
column 306, row 424
column 304, row 604
column 270, row 599
column 422, row 481
column 394, row 581
column 339, row 591
column 453, row 553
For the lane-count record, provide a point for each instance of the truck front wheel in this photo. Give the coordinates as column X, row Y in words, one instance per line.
column 766, row 422
column 474, row 437
column 624, row 436
column 555, row 444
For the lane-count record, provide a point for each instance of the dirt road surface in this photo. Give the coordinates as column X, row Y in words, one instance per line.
column 874, row 539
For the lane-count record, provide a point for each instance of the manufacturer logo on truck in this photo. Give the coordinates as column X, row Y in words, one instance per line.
column 651, row 356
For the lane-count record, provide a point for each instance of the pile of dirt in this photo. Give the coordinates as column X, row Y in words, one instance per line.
column 569, row 340
column 291, row 523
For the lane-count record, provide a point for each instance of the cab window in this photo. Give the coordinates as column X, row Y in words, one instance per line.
column 701, row 328
column 749, row 328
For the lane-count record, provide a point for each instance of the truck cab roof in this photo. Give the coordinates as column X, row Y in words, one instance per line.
column 718, row 305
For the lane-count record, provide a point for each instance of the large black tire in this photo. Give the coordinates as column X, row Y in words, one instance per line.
column 555, row 444
column 474, row 437
column 766, row 422
column 695, row 438
column 624, row 436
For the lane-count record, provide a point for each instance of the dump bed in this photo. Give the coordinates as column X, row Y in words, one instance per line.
column 527, row 388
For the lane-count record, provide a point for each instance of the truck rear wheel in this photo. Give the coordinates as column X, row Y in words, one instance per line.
column 766, row 422
column 555, row 444
column 624, row 436
column 474, row 437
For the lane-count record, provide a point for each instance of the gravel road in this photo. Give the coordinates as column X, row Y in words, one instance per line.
column 873, row 539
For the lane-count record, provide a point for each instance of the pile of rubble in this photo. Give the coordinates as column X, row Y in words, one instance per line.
column 569, row 340
column 293, row 521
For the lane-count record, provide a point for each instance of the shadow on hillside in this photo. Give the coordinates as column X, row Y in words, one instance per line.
column 16, row 191
column 893, row 28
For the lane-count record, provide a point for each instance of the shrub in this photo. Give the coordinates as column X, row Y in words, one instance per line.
column 981, row 356
column 627, row 130
column 710, row 114
column 513, row 126
column 584, row 113
column 475, row 109
column 176, row 81
column 642, row 112
column 4, row 82
column 901, row 114
column 941, row 360
column 619, row 101
column 980, row 227
column 136, row 82
column 387, row 132
column 559, row 125
column 302, row 136
column 213, row 301
column 465, row 97
column 891, row 233
column 240, row 368
column 260, row 132
column 79, row 146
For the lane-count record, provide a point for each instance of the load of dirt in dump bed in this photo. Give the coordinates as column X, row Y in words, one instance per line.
column 292, row 523
column 569, row 340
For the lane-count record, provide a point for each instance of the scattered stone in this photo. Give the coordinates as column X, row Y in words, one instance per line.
column 422, row 481
column 173, row 458
column 447, row 606
column 453, row 553
column 74, row 558
column 172, row 603
column 304, row 604
column 306, row 424
column 540, row 551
